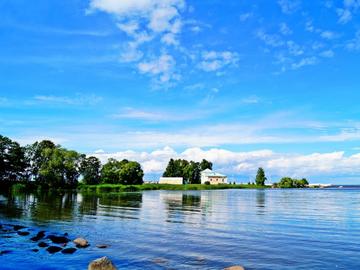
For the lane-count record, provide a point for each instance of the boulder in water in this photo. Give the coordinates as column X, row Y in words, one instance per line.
column 68, row 250
column 53, row 249
column 23, row 233
column 81, row 242
column 58, row 239
column 235, row 267
column 18, row 227
column 43, row 244
column 102, row 246
column 102, row 264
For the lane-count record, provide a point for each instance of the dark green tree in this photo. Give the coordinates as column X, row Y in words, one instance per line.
column 12, row 160
column 260, row 177
column 90, row 170
column 204, row 164
column 122, row 172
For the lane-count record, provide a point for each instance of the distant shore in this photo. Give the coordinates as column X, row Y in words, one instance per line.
column 131, row 188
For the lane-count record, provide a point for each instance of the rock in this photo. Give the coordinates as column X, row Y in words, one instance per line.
column 236, row 267
column 81, row 242
column 3, row 252
column 58, row 239
column 102, row 246
column 23, row 233
column 68, row 250
column 43, row 244
column 53, row 249
column 35, row 250
column 102, row 264
column 40, row 235
column 18, row 227
column 159, row 260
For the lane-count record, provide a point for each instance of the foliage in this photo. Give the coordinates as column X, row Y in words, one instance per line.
column 90, row 170
column 260, row 177
column 12, row 160
column 122, row 172
column 190, row 171
column 287, row 182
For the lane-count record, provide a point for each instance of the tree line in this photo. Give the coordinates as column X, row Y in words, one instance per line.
column 285, row 182
column 189, row 170
column 52, row 166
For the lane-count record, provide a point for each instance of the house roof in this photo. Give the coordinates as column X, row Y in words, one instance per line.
column 211, row 173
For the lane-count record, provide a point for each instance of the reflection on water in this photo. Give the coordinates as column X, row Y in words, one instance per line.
column 260, row 229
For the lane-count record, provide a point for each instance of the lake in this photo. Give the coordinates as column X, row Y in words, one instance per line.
column 259, row 229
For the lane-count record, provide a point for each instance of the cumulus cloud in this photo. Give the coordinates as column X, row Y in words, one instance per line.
column 246, row 163
column 144, row 21
column 308, row 61
column 289, row 6
column 354, row 44
column 215, row 60
column 350, row 7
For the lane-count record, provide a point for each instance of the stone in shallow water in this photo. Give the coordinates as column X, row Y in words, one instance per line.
column 102, row 246
column 23, row 233
column 35, row 250
column 102, row 264
column 68, row 250
column 58, row 239
column 236, row 267
column 81, row 243
column 3, row 252
column 53, row 249
column 18, row 227
column 40, row 235
column 43, row 244
column 159, row 260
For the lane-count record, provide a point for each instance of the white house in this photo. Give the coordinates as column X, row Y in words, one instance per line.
column 213, row 178
column 171, row 180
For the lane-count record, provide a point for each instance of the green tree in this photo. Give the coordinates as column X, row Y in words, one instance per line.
column 12, row 160
column 90, row 170
column 204, row 164
column 35, row 156
column 288, row 182
column 122, row 172
column 131, row 173
column 260, row 177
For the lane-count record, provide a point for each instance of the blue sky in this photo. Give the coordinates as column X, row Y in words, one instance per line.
column 242, row 83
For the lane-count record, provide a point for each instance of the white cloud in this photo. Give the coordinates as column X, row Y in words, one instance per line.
column 354, row 44
column 215, row 60
column 246, row 16
column 272, row 40
column 350, row 7
column 164, row 66
column 308, row 61
column 144, row 21
column 156, row 115
column 294, row 49
column 329, row 35
column 289, row 6
column 251, row 100
column 246, row 163
column 327, row 54
column 79, row 99
column 285, row 30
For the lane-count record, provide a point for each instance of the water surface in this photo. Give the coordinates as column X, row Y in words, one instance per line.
column 259, row 229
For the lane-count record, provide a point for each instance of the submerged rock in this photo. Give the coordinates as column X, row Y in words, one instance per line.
column 40, row 235
column 236, row 267
column 102, row 246
column 68, row 250
column 58, row 239
column 102, row 264
column 43, row 244
column 3, row 252
column 18, row 227
column 23, row 233
column 53, row 249
column 159, row 260
column 35, row 250
column 81, row 242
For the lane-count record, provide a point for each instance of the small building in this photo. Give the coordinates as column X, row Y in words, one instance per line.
column 213, row 178
column 171, row 180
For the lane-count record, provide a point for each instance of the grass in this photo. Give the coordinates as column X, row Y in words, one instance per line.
column 106, row 188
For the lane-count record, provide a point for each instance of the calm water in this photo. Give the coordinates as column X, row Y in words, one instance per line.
column 259, row 229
